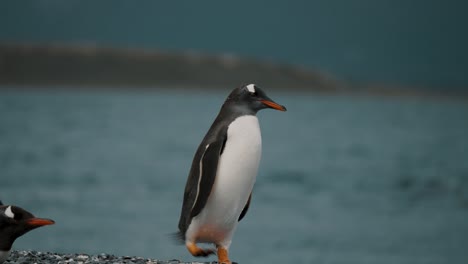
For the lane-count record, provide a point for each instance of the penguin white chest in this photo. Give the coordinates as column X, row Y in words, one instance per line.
column 238, row 164
column 236, row 174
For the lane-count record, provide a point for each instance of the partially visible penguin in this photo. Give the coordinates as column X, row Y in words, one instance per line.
column 219, row 186
column 15, row 222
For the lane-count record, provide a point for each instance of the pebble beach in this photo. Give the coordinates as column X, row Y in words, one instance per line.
column 31, row 257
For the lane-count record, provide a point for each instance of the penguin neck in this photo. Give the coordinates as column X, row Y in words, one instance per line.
column 8, row 235
column 4, row 254
column 227, row 114
column 235, row 110
column 6, row 243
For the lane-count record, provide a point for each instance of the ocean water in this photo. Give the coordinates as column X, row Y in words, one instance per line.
column 342, row 179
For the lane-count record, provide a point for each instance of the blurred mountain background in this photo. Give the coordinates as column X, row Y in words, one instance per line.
column 379, row 46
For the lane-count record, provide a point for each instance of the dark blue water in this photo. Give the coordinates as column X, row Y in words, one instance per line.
column 342, row 179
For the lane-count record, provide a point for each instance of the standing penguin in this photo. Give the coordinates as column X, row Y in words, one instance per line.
column 219, row 186
column 15, row 222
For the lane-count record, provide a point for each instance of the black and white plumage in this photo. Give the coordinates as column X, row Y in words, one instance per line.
column 219, row 186
column 15, row 222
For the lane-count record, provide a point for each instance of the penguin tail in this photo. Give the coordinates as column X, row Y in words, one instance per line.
column 178, row 237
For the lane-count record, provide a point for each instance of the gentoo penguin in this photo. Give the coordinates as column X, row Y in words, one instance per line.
column 219, row 185
column 15, row 222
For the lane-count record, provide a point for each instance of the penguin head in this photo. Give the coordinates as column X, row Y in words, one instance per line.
column 251, row 99
column 15, row 222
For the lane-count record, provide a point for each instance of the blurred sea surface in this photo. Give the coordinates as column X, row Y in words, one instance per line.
column 343, row 179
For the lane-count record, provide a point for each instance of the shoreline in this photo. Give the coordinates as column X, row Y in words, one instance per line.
column 31, row 256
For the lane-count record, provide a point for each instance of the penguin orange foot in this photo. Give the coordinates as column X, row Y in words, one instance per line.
column 223, row 256
column 197, row 251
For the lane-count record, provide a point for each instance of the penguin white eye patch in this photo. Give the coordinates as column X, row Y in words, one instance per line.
column 9, row 213
column 251, row 88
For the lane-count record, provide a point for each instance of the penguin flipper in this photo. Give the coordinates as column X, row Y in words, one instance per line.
column 208, row 168
column 246, row 208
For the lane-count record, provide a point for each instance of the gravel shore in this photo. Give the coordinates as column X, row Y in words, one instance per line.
column 31, row 257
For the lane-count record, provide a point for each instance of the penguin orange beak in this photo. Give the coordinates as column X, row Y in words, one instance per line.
column 273, row 105
column 37, row 222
